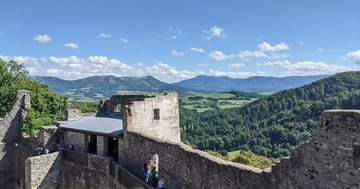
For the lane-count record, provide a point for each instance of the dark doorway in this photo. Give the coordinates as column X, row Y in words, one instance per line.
column 113, row 151
column 92, row 144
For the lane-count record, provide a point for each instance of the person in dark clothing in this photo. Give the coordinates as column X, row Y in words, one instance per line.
column 145, row 165
column 155, row 180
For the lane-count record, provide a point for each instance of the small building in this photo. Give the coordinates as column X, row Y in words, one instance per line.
column 155, row 115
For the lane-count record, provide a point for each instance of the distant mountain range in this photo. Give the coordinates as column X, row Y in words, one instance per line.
column 99, row 87
column 251, row 84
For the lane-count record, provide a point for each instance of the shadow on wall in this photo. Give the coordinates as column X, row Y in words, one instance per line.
column 42, row 172
column 10, row 128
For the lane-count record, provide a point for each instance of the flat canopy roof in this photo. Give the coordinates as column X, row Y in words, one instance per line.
column 105, row 124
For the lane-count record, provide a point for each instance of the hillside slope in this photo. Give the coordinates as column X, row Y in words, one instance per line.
column 251, row 84
column 275, row 124
column 105, row 86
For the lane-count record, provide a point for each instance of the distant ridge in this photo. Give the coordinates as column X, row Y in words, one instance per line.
column 251, row 84
column 100, row 87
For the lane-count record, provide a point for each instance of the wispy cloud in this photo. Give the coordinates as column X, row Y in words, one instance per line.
column 214, row 32
column 42, row 38
column 354, row 56
column 169, row 73
column 236, row 65
column 264, row 46
column 233, row 74
column 72, row 45
column 309, row 67
column 321, row 49
column 177, row 53
column 103, row 35
column 246, row 55
column 219, row 56
column 124, row 40
column 199, row 50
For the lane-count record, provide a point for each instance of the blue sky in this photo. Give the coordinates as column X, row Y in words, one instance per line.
column 175, row 40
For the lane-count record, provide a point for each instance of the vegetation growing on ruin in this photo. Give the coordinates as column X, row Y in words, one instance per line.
column 245, row 157
column 273, row 125
column 46, row 106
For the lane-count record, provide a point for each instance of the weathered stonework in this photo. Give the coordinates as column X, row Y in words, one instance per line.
column 9, row 135
column 42, row 172
column 140, row 116
column 330, row 159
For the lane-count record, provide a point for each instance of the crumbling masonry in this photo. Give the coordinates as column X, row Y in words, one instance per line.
column 150, row 126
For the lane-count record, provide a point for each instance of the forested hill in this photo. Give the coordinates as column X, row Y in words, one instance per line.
column 250, row 84
column 275, row 124
column 104, row 86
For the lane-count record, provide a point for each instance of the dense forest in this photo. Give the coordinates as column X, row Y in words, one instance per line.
column 46, row 106
column 273, row 125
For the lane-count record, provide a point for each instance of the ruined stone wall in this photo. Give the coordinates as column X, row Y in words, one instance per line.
column 42, row 172
column 330, row 159
column 9, row 136
column 140, row 117
column 77, row 140
column 89, row 171
column 184, row 167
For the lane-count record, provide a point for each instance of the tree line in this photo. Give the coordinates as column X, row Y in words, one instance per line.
column 46, row 106
column 273, row 125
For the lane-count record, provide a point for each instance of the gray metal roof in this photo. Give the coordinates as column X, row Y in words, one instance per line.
column 106, row 124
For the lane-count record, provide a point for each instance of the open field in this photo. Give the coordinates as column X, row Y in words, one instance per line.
column 209, row 101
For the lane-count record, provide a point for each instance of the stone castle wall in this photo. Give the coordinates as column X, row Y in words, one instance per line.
column 81, row 170
column 42, row 172
column 330, row 159
column 157, row 116
column 9, row 136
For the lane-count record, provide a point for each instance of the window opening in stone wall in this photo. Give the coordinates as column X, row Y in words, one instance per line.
column 92, row 144
column 117, row 108
column 113, row 144
column 157, row 114
column 356, row 155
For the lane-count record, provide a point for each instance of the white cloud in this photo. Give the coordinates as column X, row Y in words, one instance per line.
column 202, row 65
column 71, row 45
column 264, row 46
column 309, row 67
column 124, row 40
column 66, row 60
column 199, row 50
column 277, row 63
column 21, row 59
column 354, row 56
column 42, row 38
column 236, row 65
column 174, row 34
column 321, row 49
column 232, row 74
column 103, row 35
column 215, row 32
column 219, row 56
column 169, row 73
column 108, row 63
column 246, row 55
column 177, row 53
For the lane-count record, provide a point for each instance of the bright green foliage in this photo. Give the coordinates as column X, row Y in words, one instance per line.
column 46, row 106
column 274, row 125
column 85, row 107
column 249, row 158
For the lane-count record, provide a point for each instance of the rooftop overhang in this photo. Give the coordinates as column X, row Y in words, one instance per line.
column 110, row 125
